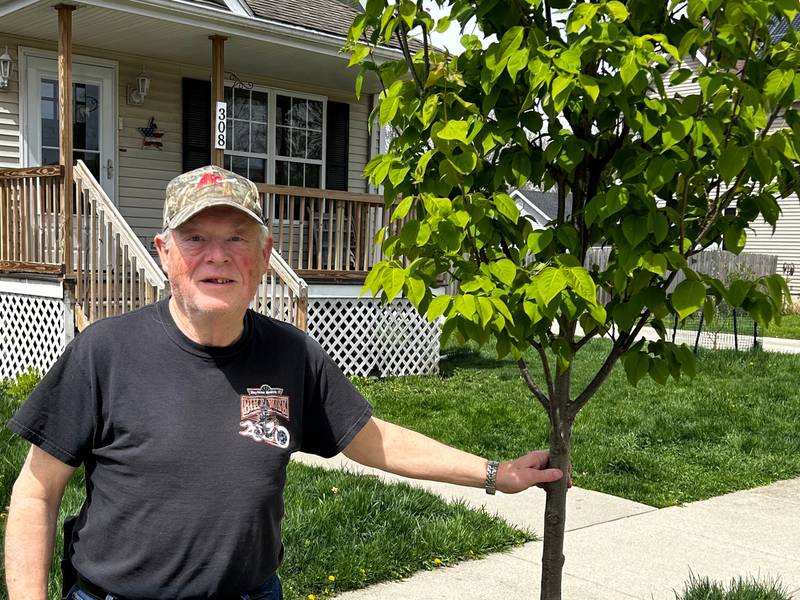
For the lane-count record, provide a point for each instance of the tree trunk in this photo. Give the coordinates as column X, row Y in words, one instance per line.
column 556, row 506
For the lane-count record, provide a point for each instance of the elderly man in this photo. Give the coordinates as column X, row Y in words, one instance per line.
column 185, row 414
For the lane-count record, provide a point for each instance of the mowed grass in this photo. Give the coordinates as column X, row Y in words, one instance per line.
column 789, row 328
column 355, row 529
column 732, row 427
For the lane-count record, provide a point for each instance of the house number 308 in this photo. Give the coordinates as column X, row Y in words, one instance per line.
column 221, row 126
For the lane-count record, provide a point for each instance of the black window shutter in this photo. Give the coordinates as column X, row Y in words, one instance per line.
column 196, row 123
column 338, row 146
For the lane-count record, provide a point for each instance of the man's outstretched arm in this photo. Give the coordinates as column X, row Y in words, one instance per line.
column 31, row 527
column 404, row 452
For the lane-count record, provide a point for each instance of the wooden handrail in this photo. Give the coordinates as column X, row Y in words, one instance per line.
column 154, row 273
column 48, row 171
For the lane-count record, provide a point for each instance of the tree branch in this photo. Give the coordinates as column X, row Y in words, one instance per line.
column 548, row 377
column 426, row 58
column 534, row 389
column 401, row 38
column 602, row 374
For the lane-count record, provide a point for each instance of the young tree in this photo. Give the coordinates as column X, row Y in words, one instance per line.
column 580, row 106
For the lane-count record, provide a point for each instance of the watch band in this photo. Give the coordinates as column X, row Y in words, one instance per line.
column 491, row 477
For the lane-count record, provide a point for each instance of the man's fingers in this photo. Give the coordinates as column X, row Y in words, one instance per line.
column 550, row 475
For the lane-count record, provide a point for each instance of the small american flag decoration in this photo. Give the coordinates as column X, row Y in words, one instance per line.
column 151, row 135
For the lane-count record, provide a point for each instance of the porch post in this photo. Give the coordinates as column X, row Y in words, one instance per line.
column 217, row 91
column 65, row 128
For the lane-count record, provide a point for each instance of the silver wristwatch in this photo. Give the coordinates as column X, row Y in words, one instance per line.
column 491, row 477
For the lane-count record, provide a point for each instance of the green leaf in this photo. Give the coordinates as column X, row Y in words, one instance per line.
column 402, row 208
column 589, row 85
column 732, row 161
column 415, row 290
column 511, row 41
column 485, row 310
column 454, row 130
column 636, row 366
column 388, row 109
column 464, row 304
column 422, row 165
column 438, row 307
column 634, row 228
column 688, row 297
column 655, row 263
column 398, row 174
column 517, row 62
column 686, row 359
column 562, row 87
column 659, row 172
column 617, row 11
column 359, row 84
column 549, row 283
column 359, row 53
column 738, row 292
column 734, row 238
column 777, row 83
column 505, row 270
column 539, row 240
column 659, row 370
column 392, row 280
column 583, row 284
column 429, row 110
column 507, row 207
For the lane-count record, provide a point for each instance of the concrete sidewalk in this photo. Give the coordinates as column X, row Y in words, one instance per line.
column 615, row 548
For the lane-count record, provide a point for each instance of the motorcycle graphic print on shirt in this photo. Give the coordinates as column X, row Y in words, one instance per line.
column 265, row 415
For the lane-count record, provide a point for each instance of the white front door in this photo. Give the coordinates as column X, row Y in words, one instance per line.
column 93, row 132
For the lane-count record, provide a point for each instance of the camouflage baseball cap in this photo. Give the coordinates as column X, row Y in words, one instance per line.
column 209, row 186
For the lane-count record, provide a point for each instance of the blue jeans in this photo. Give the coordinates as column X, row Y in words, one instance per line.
column 270, row 590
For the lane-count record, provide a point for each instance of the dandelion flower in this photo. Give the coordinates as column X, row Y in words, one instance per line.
column 437, row 561
column 331, row 578
column 312, row 597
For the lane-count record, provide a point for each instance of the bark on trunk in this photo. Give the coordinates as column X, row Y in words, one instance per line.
column 556, row 506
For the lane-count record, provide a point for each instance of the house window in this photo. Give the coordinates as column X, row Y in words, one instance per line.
column 298, row 141
column 293, row 155
column 246, row 151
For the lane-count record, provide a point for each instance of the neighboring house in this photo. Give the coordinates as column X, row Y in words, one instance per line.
column 542, row 207
column 785, row 241
column 145, row 78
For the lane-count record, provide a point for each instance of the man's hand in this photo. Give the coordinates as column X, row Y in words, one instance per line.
column 526, row 471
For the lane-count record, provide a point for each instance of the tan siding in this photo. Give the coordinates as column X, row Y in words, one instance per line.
column 359, row 145
column 9, row 111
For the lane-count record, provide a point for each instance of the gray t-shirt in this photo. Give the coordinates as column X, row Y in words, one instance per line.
column 185, row 447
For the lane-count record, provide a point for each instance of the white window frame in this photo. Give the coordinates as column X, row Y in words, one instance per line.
column 272, row 128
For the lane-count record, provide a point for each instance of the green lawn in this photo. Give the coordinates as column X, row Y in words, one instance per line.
column 352, row 528
column 733, row 427
column 789, row 328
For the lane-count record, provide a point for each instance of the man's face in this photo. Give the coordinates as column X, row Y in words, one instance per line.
column 215, row 262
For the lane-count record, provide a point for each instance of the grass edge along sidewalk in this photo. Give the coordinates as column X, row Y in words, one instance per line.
column 342, row 531
column 732, row 427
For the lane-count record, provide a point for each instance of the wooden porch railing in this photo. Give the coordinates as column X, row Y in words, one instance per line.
column 282, row 294
column 31, row 228
column 324, row 233
column 114, row 272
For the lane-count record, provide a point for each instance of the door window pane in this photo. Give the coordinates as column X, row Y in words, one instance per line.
column 49, row 156
column 92, row 160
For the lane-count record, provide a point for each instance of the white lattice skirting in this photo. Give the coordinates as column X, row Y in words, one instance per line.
column 32, row 333
column 366, row 337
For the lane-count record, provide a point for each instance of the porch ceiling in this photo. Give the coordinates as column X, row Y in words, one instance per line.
column 184, row 39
